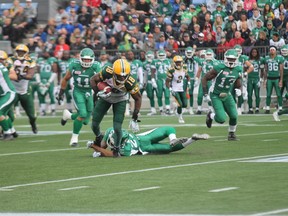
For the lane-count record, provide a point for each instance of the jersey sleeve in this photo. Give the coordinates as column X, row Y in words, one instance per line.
column 170, row 72
column 131, row 85
column 106, row 73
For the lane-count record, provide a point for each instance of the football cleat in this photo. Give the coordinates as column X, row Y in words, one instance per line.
column 200, row 136
column 66, row 115
column 250, row 112
column 98, row 140
column 181, row 120
column 15, row 134
column 199, row 112
column 7, row 137
column 191, row 112
column 74, row 141
column 116, row 152
column 34, row 127
column 89, row 144
column 232, row 136
column 257, row 111
column 177, row 141
column 276, row 116
column 209, row 120
column 267, row 112
column 96, row 154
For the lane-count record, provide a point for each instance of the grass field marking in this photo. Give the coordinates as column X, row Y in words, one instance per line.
column 42, row 151
column 73, row 188
column 270, row 140
column 149, row 188
column 223, row 189
column 36, row 141
column 138, row 171
column 271, row 212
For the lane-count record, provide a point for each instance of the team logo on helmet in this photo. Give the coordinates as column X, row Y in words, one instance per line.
column 231, row 58
column 178, row 62
column 87, row 57
column 121, row 69
column 22, row 51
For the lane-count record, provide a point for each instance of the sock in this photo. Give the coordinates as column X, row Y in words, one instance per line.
column 232, row 128
column 77, row 125
column 5, row 125
column 74, row 116
column 172, row 137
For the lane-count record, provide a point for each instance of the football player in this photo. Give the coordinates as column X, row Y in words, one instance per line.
column 25, row 68
column 175, row 83
column 144, row 143
column 121, row 82
column 284, row 53
column 225, row 76
column 273, row 77
column 81, row 70
column 159, row 68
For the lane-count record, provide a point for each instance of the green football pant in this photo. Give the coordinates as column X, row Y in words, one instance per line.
column 222, row 106
column 150, row 142
column 191, row 90
column 50, row 92
column 201, row 94
column 101, row 109
column 68, row 94
column 270, row 84
column 181, row 100
column 150, row 94
column 161, row 89
column 253, row 87
column 284, row 85
column 6, row 102
column 34, row 88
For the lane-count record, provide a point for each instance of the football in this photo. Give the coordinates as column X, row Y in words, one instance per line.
column 104, row 86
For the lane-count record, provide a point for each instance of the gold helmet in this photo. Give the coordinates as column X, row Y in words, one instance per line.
column 3, row 55
column 121, row 68
column 22, row 51
column 178, row 62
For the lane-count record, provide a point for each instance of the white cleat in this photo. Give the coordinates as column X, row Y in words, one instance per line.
column 191, row 112
column 89, row 144
column 74, row 142
column 239, row 111
column 181, row 120
column 200, row 136
column 66, row 115
column 178, row 141
column 276, row 116
column 96, row 154
column 151, row 113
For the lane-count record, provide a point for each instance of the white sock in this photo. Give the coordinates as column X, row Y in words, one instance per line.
column 212, row 115
column 172, row 137
column 232, row 128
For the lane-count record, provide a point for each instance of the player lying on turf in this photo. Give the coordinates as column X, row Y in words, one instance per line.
column 144, row 143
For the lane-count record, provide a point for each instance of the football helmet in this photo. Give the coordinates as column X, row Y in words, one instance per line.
column 209, row 54
column 22, row 51
column 178, row 62
column 238, row 48
column 121, row 68
column 149, row 56
column 189, row 52
column 87, row 57
column 161, row 54
column 284, row 50
column 202, row 53
column 231, row 58
column 3, row 55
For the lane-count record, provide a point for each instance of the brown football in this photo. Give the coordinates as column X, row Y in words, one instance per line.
column 104, row 86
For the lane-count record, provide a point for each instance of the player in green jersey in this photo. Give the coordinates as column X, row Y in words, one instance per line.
column 63, row 64
column 159, row 68
column 150, row 90
column 144, row 143
column 47, row 67
column 25, row 69
column 224, row 75
column 81, row 71
column 284, row 53
column 175, row 82
column 121, row 82
column 254, row 83
column 273, row 77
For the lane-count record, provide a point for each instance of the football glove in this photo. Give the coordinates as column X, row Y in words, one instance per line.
column 60, row 97
column 238, row 92
column 134, row 126
column 196, row 82
column 172, row 92
column 206, row 98
column 154, row 84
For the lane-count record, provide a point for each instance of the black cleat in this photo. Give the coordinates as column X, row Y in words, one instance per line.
column 7, row 137
column 250, row 112
column 63, row 122
column 209, row 120
column 267, row 112
column 98, row 140
column 199, row 112
column 257, row 111
column 116, row 152
column 232, row 136
column 15, row 134
column 34, row 127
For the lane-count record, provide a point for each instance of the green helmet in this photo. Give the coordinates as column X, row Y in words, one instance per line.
column 231, row 58
column 149, row 56
column 238, row 48
column 161, row 54
column 189, row 52
column 87, row 54
column 209, row 54
column 202, row 53
column 284, row 50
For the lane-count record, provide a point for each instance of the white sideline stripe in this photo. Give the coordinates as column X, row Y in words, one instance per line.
column 271, row 212
column 6, row 190
column 269, row 140
column 35, row 141
column 73, row 188
column 139, row 171
column 101, row 214
column 149, row 188
column 223, row 189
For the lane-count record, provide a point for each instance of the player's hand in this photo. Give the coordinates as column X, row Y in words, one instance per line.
column 172, row 92
column 141, row 86
column 238, row 92
column 134, row 126
column 206, row 98
column 60, row 97
column 154, row 84
column 103, row 94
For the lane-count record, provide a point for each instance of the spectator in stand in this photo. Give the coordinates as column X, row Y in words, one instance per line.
column 143, row 9
column 231, row 33
column 169, row 31
column 243, row 18
column 133, row 23
column 166, row 10
column 60, row 14
column 147, row 27
column 187, row 15
column 226, row 6
column 72, row 17
column 32, row 44
column 222, row 47
column 118, row 25
column 270, row 29
column 19, row 22
column 72, row 5
column 199, row 42
column 248, row 4
column 280, row 9
column 248, row 44
column 175, row 5
column 41, row 33
column 185, row 41
column 219, row 11
column 50, row 28
column 237, row 40
column 280, row 22
column 61, row 46
column 259, row 27
column 284, row 33
column 212, row 4
column 84, row 17
column 160, row 22
column 88, row 6
column 92, row 3
column 106, row 3
column 157, row 33
column 131, row 5
column 237, row 14
column 8, row 30
column 210, row 43
column 252, row 22
column 176, row 17
column 99, row 33
column 108, row 19
column 138, row 34
column 65, row 25
column 208, row 29
column 207, row 20
column 172, row 45
column 154, row 5
column 121, row 3
column 262, row 43
column 78, row 45
column 235, row 5
column 276, row 40
column 136, row 45
column 120, row 36
column 161, row 43
column 195, row 32
column 245, row 31
column 51, row 44
column 219, row 33
column 39, row 49
column 14, row 9
column 112, row 44
column 149, row 43
column 218, row 22
column 31, row 14
column 228, row 23
column 268, row 11
column 192, row 23
column 250, row 12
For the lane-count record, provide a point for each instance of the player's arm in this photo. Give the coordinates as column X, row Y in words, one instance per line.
column 281, row 75
column 238, row 83
column 138, row 101
column 12, row 74
column 63, row 86
column 208, row 76
column 54, row 73
column 168, row 80
column 94, row 80
column 249, row 67
column 104, row 152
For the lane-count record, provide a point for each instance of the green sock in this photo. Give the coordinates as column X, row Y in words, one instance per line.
column 177, row 147
column 5, row 125
column 74, row 116
column 77, row 125
column 10, row 125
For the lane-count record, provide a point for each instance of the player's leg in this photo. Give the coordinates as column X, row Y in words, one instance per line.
column 41, row 96
column 199, row 99
column 256, row 88
column 278, row 94
column 250, row 95
column 229, row 106
column 167, row 100
column 159, row 94
column 269, row 88
column 219, row 110
column 191, row 97
column 68, row 97
column 11, row 118
column 52, row 98
column 150, row 94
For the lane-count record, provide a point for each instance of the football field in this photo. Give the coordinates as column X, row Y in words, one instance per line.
column 43, row 174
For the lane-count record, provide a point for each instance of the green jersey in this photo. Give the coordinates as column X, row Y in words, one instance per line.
column 207, row 66
column 63, row 66
column 5, row 82
column 161, row 68
column 273, row 65
column 257, row 64
column 192, row 66
column 81, row 76
column 45, row 67
column 285, row 67
column 147, row 69
column 137, row 70
column 225, row 78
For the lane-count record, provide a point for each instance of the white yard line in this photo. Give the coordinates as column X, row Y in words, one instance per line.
column 36, row 141
column 149, row 188
column 270, row 140
column 73, row 188
column 271, row 212
column 223, row 189
column 138, row 171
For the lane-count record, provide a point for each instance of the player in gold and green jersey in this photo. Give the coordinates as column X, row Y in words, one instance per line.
column 63, row 65
column 47, row 68
column 254, row 82
column 284, row 53
column 159, row 68
column 81, row 71
column 119, row 79
column 273, row 76
column 225, row 75
column 144, row 143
